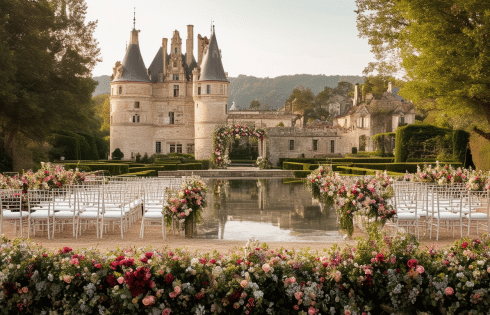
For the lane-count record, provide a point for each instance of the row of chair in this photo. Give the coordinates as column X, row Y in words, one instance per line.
column 103, row 203
column 433, row 207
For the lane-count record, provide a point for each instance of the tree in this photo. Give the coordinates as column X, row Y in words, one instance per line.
column 442, row 45
column 300, row 100
column 255, row 105
column 117, row 154
column 46, row 56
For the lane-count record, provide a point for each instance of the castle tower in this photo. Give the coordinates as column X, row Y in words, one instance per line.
column 130, row 103
column 210, row 92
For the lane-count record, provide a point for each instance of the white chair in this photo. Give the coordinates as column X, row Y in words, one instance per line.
column 446, row 208
column 91, row 208
column 41, row 211
column 154, row 202
column 66, row 209
column 410, row 200
column 11, row 209
column 476, row 209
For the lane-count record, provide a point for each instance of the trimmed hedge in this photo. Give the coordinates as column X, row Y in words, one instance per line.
column 400, row 167
column 205, row 164
column 301, row 174
column 67, row 144
column 364, row 160
column 113, row 168
column 147, row 173
column 302, row 160
column 417, row 133
column 295, row 166
column 189, row 166
column 461, row 139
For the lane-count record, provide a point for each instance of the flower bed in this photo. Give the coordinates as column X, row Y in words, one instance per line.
column 380, row 275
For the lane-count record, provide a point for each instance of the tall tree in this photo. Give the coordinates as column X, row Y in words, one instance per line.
column 255, row 104
column 300, row 100
column 443, row 46
column 47, row 54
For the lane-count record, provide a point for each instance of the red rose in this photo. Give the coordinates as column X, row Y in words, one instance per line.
column 144, row 260
column 169, row 278
column 127, row 262
column 111, row 280
column 98, row 266
column 412, row 263
column 114, row 265
column 380, row 257
column 66, row 250
column 464, row 245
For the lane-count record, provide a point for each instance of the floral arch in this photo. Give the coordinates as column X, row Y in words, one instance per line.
column 221, row 139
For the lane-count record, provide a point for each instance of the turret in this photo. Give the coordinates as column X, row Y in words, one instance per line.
column 130, row 102
column 210, row 92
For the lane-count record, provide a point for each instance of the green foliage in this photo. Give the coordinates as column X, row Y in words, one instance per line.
column 420, row 37
column 301, row 174
column 206, row 164
column 46, row 58
column 461, row 140
column 190, row 166
column 64, row 146
column 294, row 166
column 255, row 105
column 138, row 158
column 146, row 173
column 145, row 159
column 92, row 153
column 114, row 168
column 280, row 124
column 117, row 154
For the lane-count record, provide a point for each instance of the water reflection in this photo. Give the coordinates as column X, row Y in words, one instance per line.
column 267, row 209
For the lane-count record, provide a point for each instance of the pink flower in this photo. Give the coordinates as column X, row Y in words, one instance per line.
column 66, row 250
column 266, row 268
column 464, row 245
column 75, row 261
column 148, row 300
column 298, row 295
column 412, row 263
column 243, row 283
column 177, row 290
column 67, row 279
column 25, row 289
column 166, row 311
column 347, row 312
column 449, row 291
column 420, row 269
column 296, row 307
column 172, row 295
column 120, row 280
column 312, row 311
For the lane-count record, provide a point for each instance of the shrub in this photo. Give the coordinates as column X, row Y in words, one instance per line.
column 294, row 166
column 189, row 166
column 138, row 157
column 117, row 154
column 301, row 174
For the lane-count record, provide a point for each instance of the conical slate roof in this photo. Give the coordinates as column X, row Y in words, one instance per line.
column 211, row 66
column 156, row 66
column 134, row 69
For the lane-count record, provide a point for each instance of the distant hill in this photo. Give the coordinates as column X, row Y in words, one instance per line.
column 104, row 86
column 273, row 91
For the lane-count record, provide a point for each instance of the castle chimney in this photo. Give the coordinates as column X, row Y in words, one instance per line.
column 164, row 52
column 189, row 44
column 390, row 88
column 199, row 49
column 356, row 95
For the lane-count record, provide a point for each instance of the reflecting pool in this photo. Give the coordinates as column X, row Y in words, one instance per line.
column 265, row 209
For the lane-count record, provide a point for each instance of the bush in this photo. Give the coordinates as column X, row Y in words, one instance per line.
column 117, row 154
column 138, row 158
column 295, row 166
column 301, row 174
column 113, row 168
column 189, row 166
column 205, row 164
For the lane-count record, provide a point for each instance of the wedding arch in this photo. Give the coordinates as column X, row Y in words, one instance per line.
column 221, row 139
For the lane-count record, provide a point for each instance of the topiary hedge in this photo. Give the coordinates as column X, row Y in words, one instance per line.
column 113, row 168
column 295, row 166
column 364, row 160
column 189, row 166
column 301, row 174
column 146, row 173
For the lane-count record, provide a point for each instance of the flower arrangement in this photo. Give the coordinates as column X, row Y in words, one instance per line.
column 222, row 136
column 263, row 163
column 378, row 275
column 185, row 202
column 47, row 177
column 367, row 196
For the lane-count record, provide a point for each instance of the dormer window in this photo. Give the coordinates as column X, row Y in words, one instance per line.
column 176, row 77
column 136, row 104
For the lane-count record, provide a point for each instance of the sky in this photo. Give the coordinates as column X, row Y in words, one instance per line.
column 261, row 38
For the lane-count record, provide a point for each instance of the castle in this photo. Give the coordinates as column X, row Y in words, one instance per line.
column 176, row 104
